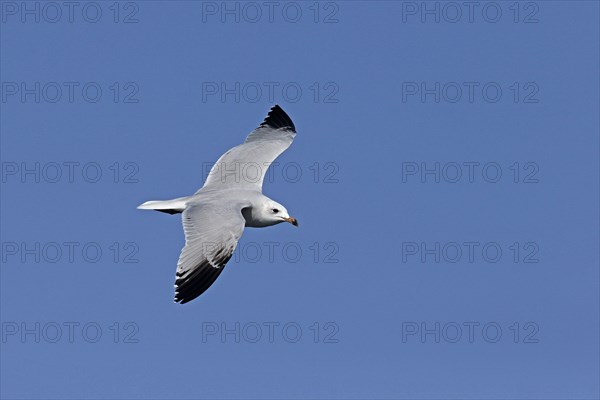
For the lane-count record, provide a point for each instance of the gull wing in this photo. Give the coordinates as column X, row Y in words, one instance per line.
column 211, row 235
column 245, row 166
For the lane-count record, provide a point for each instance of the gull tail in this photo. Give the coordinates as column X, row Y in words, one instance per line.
column 174, row 206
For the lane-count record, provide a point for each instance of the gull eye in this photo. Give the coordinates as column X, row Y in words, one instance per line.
column 275, row 211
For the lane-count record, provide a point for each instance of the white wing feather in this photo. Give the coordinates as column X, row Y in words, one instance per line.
column 211, row 235
column 245, row 166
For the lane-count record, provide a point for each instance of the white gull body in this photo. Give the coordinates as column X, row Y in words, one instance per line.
column 215, row 216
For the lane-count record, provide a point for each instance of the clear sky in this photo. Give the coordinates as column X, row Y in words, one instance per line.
column 445, row 177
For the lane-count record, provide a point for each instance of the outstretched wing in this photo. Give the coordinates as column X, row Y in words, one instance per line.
column 245, row 165
column 211, row 235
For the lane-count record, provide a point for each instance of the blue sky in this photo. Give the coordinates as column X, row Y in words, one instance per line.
column 445, row 176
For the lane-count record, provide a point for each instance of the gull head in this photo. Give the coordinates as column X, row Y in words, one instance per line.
column 274, row 213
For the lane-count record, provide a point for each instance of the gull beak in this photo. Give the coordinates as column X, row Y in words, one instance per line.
column 291, row 220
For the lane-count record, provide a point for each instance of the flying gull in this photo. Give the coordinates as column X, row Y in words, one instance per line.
column 215, row 216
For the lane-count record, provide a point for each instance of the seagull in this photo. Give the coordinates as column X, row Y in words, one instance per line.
column 215, row 216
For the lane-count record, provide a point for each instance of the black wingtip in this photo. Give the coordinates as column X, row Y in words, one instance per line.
column 277, row 118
